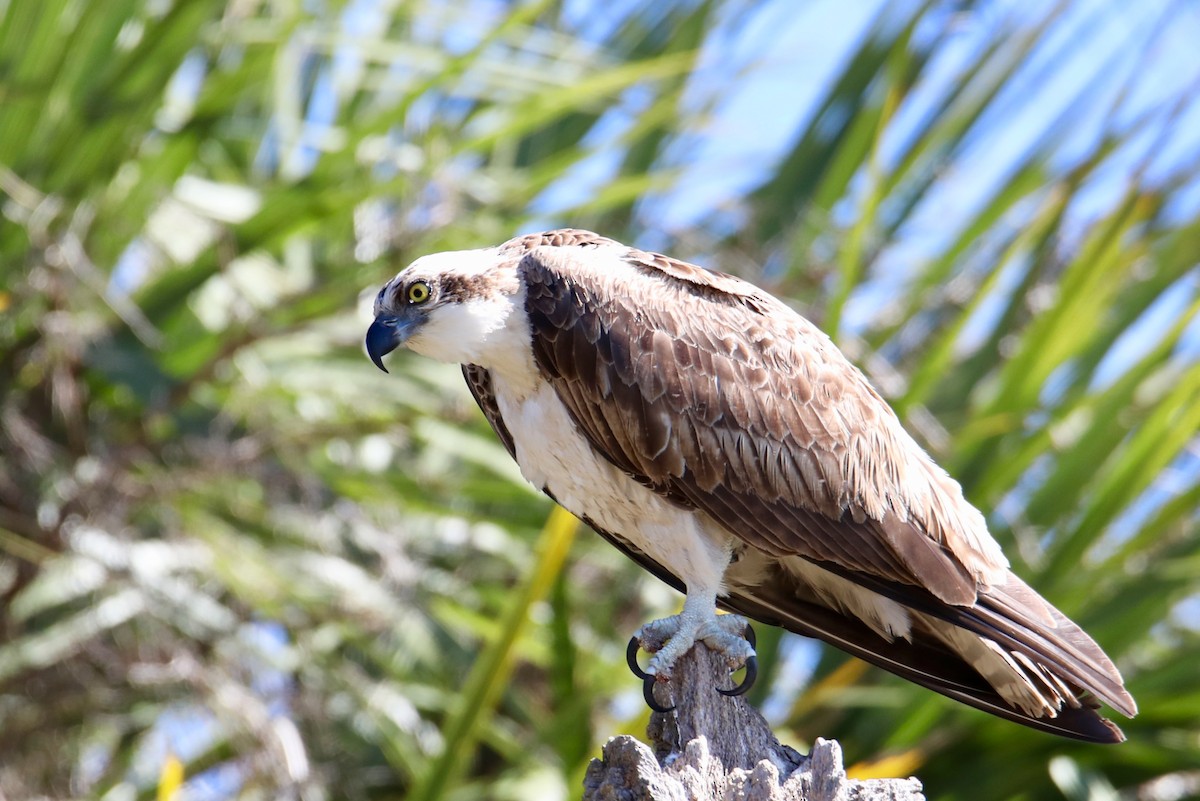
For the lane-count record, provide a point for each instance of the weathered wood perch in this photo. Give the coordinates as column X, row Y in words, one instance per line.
column 715, row 748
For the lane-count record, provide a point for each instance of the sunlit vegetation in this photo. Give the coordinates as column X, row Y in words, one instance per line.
column 237, row 560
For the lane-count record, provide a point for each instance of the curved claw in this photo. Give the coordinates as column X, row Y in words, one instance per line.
column 747, row 681
column 631, row 652
column 750, row 636
column 648, row 693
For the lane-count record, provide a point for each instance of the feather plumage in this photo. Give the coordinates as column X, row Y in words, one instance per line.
column 724, row 402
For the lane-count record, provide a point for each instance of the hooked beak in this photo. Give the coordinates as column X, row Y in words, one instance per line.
column 384, row 336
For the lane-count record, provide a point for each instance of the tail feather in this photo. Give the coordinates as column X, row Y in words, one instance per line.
column 926, row 662
column 1061, row 647
column 1015, row 617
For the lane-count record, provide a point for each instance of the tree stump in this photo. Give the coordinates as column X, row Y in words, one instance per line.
column 715, row 748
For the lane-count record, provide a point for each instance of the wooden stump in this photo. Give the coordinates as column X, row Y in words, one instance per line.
column 715, row 748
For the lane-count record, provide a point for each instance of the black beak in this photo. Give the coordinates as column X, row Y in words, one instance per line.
column 383, row 337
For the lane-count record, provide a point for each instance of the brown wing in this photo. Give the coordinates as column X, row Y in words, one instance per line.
column 717, row 395
column 479, row 381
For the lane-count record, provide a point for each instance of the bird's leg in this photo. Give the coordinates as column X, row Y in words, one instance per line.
column 672, row 637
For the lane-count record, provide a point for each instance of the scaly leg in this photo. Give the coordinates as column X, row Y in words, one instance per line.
column 672, row 637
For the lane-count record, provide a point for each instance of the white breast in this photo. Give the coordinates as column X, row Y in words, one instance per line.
column 553, row 454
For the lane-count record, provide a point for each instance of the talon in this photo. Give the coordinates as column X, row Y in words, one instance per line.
column 648, row 693
column 631, row 652
column 747, row 681
column 750, row 636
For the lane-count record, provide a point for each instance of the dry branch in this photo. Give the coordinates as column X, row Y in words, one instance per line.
column 715, row 748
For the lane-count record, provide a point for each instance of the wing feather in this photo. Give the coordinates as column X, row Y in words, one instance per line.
column 768, row 421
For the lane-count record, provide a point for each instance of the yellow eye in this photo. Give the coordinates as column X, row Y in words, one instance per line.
column 419, row 292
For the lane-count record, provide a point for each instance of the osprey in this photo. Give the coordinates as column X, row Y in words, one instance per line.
column 726, row 445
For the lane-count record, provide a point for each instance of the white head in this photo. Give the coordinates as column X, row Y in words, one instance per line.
column 453, row 307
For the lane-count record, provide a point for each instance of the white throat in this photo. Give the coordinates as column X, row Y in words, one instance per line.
column 492, row 332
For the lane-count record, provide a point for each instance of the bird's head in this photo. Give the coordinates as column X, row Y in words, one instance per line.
column 452, row 307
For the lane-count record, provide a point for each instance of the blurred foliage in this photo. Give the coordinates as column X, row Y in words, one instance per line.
column 237, row 560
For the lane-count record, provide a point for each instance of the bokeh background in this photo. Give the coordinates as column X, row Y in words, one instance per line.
column 236, row 561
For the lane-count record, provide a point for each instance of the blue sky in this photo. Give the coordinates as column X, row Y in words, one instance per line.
column 765, row 71
column 790, row 52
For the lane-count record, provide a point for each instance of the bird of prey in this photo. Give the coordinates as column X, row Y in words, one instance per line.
column 726, row 445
